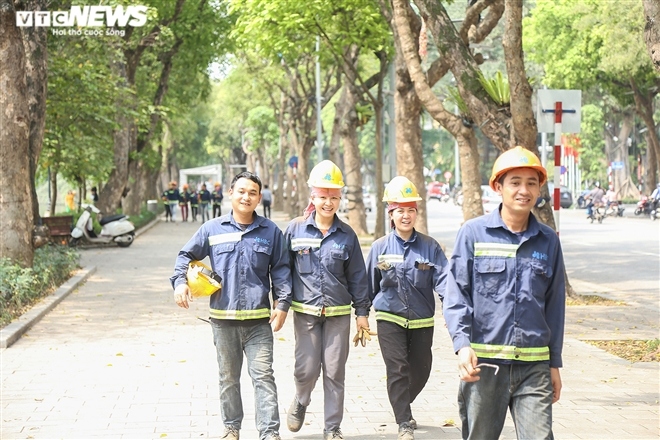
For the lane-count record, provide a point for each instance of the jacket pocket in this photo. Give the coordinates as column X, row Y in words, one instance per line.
column 388, row 277
column 261, row 257
column 489, row 276
column 423, row 277
column 303, row 259
column 540, row 279
column 337, row 260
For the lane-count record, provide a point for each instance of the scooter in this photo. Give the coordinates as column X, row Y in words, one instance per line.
column 644, row 206
column 116, row 228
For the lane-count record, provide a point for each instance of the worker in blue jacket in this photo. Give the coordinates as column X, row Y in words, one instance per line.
column 504, row 308
column 249, row 254
column 329, row 275
column 405, row 267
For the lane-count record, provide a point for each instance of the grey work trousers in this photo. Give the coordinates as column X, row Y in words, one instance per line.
column 322, row 344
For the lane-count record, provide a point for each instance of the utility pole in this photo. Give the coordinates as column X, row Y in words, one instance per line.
column 319, row 125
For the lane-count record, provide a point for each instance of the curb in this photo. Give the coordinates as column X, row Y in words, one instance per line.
column 12, row 332
column 146, row 227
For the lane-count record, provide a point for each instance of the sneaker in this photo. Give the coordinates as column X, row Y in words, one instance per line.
column 413, row 423
column 273, row 436
column 296, row 416
column 333, row 434
column 231, row 433
column 406, row 432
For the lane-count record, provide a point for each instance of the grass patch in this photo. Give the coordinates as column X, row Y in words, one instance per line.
column 21, row 288
column 631, row 350
column 592, row 300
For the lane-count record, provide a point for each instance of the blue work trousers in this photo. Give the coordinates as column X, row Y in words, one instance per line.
column 256, row 341
column 525, row 389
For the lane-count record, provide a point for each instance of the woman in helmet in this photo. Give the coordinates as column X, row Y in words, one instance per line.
column 405, row 267
column 328, row 275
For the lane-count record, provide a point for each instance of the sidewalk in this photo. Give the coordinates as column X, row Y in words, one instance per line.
column 117, row 359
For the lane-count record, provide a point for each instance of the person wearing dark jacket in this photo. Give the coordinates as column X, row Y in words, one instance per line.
column 248, row 253
column 405, row 268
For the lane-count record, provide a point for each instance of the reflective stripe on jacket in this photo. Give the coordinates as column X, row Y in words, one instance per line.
column 246, row 260
column 328, row 272
column 506, row 293
column 403, row 276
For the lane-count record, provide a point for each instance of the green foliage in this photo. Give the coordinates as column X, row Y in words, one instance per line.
column 497, row 88
column 585, row 43
column 22, row 287
column 455, row 98
column 591, row 146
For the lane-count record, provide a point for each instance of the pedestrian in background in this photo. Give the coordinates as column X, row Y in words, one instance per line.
column 405, row 267
column 248, row 252
column 184, row 199
column 204, row 200
column 69, row 200
column 171, row 197
column 328, row 275
column 217, row 197
column 95, row 195
column 266, row 200
column 194, row 203
column 504, row 308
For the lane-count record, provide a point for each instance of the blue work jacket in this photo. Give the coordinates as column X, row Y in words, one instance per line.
column 403, row 276
column 328, row 271
column 246, row 261
column 506, row 293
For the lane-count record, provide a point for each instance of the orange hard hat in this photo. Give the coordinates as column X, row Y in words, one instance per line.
column 517, row 157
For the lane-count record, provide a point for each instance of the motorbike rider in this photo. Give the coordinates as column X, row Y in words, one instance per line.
column 655, row 197
column 595, row 198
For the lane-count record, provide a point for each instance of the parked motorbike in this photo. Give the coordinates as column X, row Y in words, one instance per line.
column 644, row 206
column 116, row 228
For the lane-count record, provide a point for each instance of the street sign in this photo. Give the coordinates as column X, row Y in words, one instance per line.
column 563, row 169
column 293, row 161
column 447, row 175
column 617, row 165
column 571, row 102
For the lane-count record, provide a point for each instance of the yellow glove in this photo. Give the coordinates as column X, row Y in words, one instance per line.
column 362, row 336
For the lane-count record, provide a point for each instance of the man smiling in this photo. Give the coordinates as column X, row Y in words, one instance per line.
column 248, row 252
column 504, row 308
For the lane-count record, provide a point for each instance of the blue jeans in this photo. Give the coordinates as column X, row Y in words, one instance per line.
column 525, row 389
column 256, row 341
column 204, row 210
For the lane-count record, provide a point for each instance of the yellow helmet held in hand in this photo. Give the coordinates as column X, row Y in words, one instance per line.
column 517, row 157
column 326, row 175
column 202, row 281
column 401, row 190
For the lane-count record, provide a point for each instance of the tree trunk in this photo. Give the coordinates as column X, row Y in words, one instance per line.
column 523, row 120
column 487, row 115
column 16, row 215
column 413, row 80
column 652, row 31
column 524, row 128
column 352, row 160
column 470, row 174
column 36, row 68
column 278, row 194
column 335, row 138
column 651, row 168
column 644, row 107
column 124, row 140
column 408, row 108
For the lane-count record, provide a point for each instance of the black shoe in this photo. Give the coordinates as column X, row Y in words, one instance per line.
column 296, row 416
